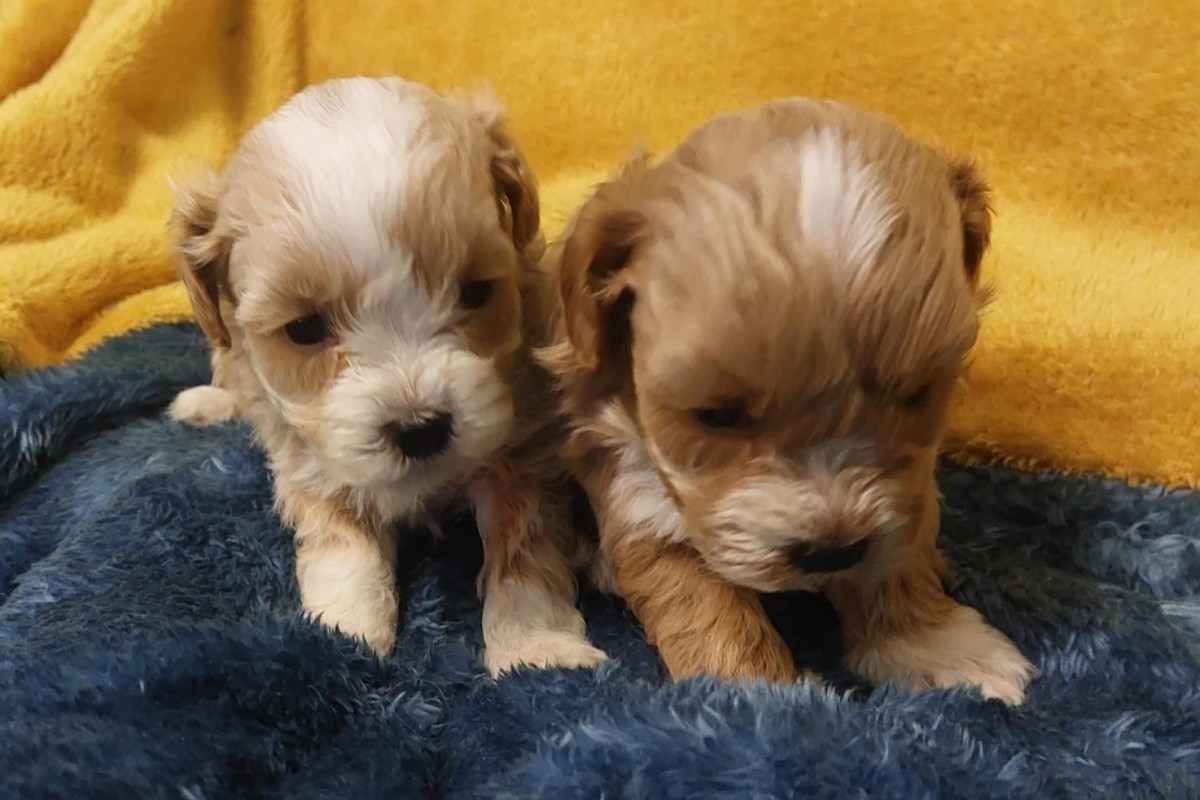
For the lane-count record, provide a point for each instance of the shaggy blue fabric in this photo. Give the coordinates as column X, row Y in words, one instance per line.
column 151, row 645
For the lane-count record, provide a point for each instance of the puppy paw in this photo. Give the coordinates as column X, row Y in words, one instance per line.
column 544, row 650
column 203, row 405
column 381, row 642
column 966, row 650
column 378, row 634
column 348, row 585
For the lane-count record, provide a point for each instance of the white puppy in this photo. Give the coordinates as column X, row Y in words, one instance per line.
column 364, row 270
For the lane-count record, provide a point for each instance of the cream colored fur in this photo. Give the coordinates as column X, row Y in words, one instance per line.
column 365, row 267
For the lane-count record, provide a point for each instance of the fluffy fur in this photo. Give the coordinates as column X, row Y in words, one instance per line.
column 152, row 645
column 760, row 337
column 364, row 272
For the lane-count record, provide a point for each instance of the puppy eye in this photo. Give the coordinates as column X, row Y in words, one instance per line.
column 722, row 417
column 917, row 400
column 307, row 331
column 474, row 294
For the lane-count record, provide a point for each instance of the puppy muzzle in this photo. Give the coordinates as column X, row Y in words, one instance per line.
column 793, row 529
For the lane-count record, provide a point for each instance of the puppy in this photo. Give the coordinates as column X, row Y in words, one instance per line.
column 364, row 271
column 759, row 339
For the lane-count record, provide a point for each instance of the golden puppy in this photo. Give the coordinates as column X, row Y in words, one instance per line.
column 760, row 336
column 364, row 271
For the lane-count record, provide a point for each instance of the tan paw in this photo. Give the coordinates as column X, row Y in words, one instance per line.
column 203, row 405
column 544, row 650
column 965, row 651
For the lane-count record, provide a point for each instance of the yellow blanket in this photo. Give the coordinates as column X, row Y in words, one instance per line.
column 1086, row 115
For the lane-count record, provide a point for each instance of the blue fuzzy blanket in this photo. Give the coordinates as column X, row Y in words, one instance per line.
column 151, row 645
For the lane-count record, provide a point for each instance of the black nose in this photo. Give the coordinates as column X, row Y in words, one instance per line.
column 421, row 439
column 813, row 558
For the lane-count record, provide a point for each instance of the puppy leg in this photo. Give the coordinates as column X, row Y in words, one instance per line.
column 208, row 405
column 204, row 405
column 527, row 583
column 346, row 572
column 699, row 623
column 905, row 629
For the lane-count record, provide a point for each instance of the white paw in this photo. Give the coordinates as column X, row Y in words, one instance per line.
column 964, row 651
column 543, row 649
column 381, row 640
column 203, row 405
column 348, row 585
column 379, row 632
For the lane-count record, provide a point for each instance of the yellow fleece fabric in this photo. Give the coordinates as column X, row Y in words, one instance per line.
column 1086, row 116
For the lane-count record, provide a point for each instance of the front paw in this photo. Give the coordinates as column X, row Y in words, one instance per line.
column 544, row 650
column 377, row 630
column 965, row 650
column 352, row 591
column 381, row 637
column 203, row 405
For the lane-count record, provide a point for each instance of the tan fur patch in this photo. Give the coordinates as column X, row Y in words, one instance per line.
column 699, row 623
column 780, row 308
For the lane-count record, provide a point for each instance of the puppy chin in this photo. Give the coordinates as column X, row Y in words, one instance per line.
column 772, row 533
column 362, row 402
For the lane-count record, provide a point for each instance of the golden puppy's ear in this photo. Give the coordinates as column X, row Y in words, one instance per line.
column 596, row 293
column 203, row 254
column 516, row 186
column 973, row 195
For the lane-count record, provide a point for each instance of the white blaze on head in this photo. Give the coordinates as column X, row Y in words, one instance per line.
column 365, row 201
column 845, row 212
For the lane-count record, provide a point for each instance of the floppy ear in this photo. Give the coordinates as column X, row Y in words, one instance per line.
column 516, row 186
column 973, row 194
column 202, row 254
column 596, row 293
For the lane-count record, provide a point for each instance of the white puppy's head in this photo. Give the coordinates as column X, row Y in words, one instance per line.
column 362, row 253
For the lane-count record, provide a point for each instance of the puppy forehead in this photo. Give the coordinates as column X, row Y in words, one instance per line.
column 834, row 178
column 808, row 235
column 773, row 341
column 361, row 176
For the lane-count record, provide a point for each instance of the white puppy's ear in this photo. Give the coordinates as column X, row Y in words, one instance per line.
column 202, row 253
column 516, row 186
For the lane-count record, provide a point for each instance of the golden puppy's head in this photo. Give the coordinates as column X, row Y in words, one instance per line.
column 363, row 251
column 782, row 307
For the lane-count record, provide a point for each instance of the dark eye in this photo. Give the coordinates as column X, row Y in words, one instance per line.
column 721, row 417
column 307, row 331
column 917, row 400
column 474, row 294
